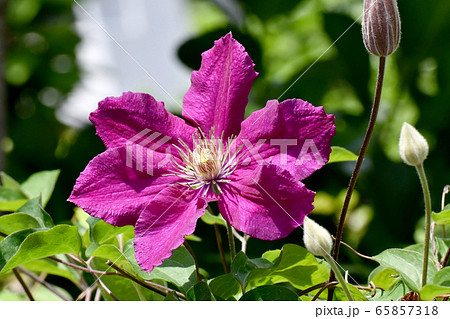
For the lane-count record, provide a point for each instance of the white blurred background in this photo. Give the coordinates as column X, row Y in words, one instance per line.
column 149, row 31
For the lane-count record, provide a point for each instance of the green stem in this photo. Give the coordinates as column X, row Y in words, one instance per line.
column 427, row 199
column 197, row 269
column 364, row 146
column 220, row 247
column 339, row 277
column 24, row 285
column 231, row 241
column 43, row 283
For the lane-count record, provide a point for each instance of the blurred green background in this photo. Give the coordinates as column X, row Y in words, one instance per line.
column 308, row 49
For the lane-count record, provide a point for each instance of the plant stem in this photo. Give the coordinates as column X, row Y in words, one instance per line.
column 427, row 199
column 103, row 273
column 444, row 260
column 351, row 186
column 357, row 253
column 138, row 281
column 100, row 282
column 23, row 284
column 189, row 249
column 231, row 241
column 339, row 277
column 315, row 287
column 220, row 247
column 327, row 285
column 43, row 283
column 3, row 91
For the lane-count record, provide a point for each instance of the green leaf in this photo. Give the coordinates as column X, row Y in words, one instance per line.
column 36, row 243
column 34, row 209
column 442, row 218
column 270, row 293
column 53, row 267
column 104, row 233
column 294, row 265
column 397, row 291
column 442, row 278
column 408, row 264
column 41, row 185
column 384, row 277
column 211, row 219
column 11, row 199
column 340, row 154
column 112, row 253
column 339, row 294
column 179, row 269
column 193, row 238
column 199, row 292
column 242, row 265
column 17, row 221
column 9, row 182
column 41, row 293
column 429, row 292
column 225, row 287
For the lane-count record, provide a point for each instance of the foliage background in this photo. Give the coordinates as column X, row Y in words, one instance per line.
column 285, row 39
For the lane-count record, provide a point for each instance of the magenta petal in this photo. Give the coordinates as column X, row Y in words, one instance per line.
column 133, row 117
column 293, row 134
column 161, row 228
column 116, row 191
column 219, row 91
column 266, row 203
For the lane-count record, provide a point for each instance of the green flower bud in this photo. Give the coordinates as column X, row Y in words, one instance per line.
column 316, row 238
column 413, row 147
column 381, row 26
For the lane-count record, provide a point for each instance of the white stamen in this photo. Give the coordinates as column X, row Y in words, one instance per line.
column 208, row 164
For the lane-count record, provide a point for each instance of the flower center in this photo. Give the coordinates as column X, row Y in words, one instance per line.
column 205, row 162
column 208, row 164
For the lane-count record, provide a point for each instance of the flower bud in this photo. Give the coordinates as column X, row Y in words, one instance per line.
column 316, row 238
column 381, row 26
column 413, row 147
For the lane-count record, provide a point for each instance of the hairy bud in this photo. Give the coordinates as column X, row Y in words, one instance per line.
column 381, row 26
column 316, row 238
column 413, row 147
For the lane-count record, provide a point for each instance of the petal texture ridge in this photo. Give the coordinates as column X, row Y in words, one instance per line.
column 121, row 119
column 110, row 189
column 266, row 203
column 161, row 228
column 219, row 91
column 293, row 134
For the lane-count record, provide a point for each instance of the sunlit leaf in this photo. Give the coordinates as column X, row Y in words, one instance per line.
column 41, row 185
column 384, row 277
column 442, row 218
column 442, row 278
column 9, row 182
column 429, row 292
column 53, row 267
column 294, row 265
column 408, row 264
column 17, row 221
column 36, row 243
column 104, row 233
column 179, row 269
column 34, row 209
column 11, row 199
column 211, row 219
column 340, row 154
column 397, row 291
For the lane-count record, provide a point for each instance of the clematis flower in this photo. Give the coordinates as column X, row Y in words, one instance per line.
column 253, row 167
